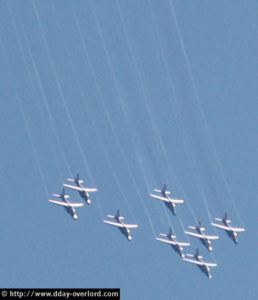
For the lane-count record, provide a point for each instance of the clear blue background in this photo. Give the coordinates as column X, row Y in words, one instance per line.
column 131, row 94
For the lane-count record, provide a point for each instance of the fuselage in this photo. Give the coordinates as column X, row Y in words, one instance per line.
column 124, row 230
column 71, row 210
column 179, row 250
column 205, row 241
column 206, row 270
column 170, row 205
column 83, row 193
column 231, row 233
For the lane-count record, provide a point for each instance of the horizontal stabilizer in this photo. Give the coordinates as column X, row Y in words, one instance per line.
column 73, row 180
column 192, row 227
column 160, row 191
column 111, row 216
column 189, row 255
column 218, row 219
column 114, row 217
column 163, row 234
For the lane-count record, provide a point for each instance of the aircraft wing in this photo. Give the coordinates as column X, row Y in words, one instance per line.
column 70, row 186
column 212, row 237
column 200, row 236
column 58, row 202
column 90, row 190
column 236, row 229
column 208, row 264
column 69, row 204
column 80, row 189
column 183, row 244
column 166, row 241
column 76, row 204
column 173, row 242
column 130, row 225
column 113, row 223
column 166, row 199
column 159, row 197
column 200, row 263
column 176, row 200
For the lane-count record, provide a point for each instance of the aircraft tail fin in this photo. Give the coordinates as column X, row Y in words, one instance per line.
column 225, row 218
column 164, row 190
column 197, row 253
column 78, row 178
column 171, row 231
column 200, row 226
column 63, row 195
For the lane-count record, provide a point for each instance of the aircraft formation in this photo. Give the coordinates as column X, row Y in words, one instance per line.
column 168, row 238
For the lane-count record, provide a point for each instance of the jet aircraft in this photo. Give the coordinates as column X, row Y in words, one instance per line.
column 83, row 191
column 170, row 202
column 69, row 206
column 204, row 238
column 123, row 227
column 231, row 231
column 204, row 266
column 171, row 239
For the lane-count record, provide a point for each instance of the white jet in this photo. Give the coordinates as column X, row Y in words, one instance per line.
column 204, row 266
column 231, row 231
column 83, row 191
column 123, row 227
column 204, row 238
column 171, row 239
column 170, row 202
column 69, row 206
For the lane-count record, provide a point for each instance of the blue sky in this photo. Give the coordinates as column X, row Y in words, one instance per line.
column 131, row 94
